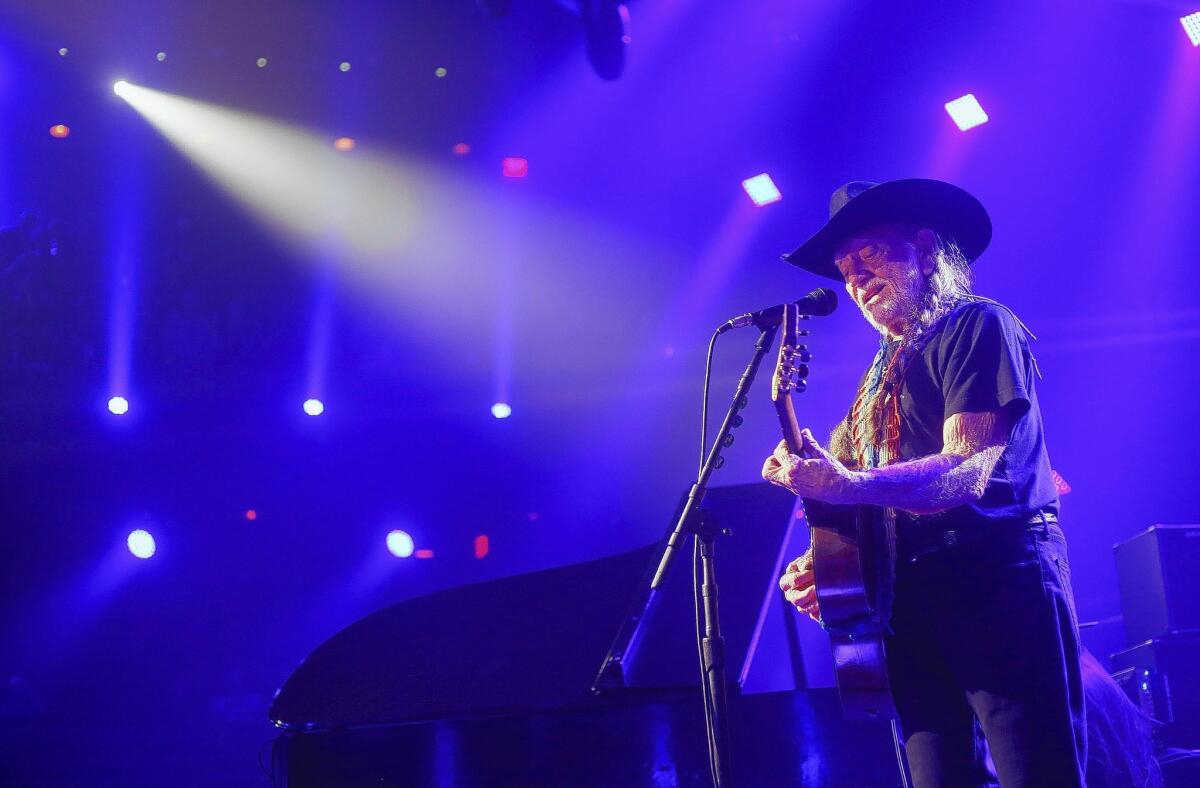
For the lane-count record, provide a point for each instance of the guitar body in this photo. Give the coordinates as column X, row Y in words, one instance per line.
column 853, row 561
column 853, row 566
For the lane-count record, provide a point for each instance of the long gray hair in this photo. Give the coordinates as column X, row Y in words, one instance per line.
column 947, row 287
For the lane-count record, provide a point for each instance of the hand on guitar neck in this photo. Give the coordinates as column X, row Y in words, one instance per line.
column 813, row 473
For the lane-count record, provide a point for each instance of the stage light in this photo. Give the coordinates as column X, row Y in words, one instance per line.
column 424, row 552
column 118, row 406
column 314, row 407
column 966, row 112
column 482, row 546
column 62, row 51
column 344, row 66
column 514, row 167
column 60, row 131
column 762, row 190
column 119, row 87
column 141, row 543
column 1191, row 26
column 461, row 149
column 344, row 144
column 439, row 72
column 161, row 56
column 399, row 544
column 251, row 515
column 501, row 410
column 606, row 32
column 261, row 62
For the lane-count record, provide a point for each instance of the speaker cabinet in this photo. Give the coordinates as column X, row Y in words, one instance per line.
column 1158, row 573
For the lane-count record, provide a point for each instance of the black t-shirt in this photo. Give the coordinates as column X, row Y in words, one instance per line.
column 978, row 360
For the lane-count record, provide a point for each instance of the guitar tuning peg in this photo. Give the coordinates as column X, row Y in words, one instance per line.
column 728, row 441
column 801, row 386
column 720, row 460
column 803, row 356
column 742, row 402
column 736, row 421
column 803, row 333
column 802, row 371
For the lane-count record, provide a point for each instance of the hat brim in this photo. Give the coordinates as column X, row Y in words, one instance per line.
column 943, row 207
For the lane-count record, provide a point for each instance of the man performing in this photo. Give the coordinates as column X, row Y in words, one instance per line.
column 945, row 430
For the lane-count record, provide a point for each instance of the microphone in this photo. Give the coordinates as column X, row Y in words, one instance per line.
column 818, row 303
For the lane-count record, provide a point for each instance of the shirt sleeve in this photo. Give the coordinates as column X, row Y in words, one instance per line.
column 983, row 362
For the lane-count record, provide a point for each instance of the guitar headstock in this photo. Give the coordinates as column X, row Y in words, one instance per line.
column 792, row 367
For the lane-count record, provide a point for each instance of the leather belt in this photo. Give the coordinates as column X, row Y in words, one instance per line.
column 932, row 541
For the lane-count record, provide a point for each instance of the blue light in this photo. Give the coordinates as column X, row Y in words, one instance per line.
column 967, row 112
column 118, row 406
column 501, row 410
column 314, row 407
column 762, row 190
column 141, row 543
column 400, row 544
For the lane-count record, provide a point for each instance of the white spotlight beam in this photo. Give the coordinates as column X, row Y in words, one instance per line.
column 292, row 178
column 419, row 243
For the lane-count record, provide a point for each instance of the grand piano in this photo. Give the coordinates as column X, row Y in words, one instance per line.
column 580, row 676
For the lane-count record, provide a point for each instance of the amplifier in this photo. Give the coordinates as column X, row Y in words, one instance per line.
column 1158, row 573
column 1160, row 675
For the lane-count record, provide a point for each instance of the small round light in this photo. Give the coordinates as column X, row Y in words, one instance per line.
column 62, row 51
column 60, row 131
column 461, row 149
column 344, row 66
column 161, row 56
column 119, row 87
column 344, row 144
column 439, row 72
column 141, row 543
column 261, row 62
column 501, row 410
column 251, row 515
column 400, row 544
column 314, row 407
column 118, row 406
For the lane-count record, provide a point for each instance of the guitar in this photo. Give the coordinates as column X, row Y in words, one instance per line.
column 853, row 558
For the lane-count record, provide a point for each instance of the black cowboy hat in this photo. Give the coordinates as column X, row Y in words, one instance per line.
column 948, row 210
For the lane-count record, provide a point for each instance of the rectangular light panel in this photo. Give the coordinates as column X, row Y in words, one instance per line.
column 966, row 112
column 762, row 190
column 1191, row 26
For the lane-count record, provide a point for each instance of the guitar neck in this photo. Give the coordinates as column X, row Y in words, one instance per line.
column 787, row 422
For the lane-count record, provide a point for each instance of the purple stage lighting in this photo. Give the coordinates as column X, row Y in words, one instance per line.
column 314, row 407
column 514, row 167
column 967, row 112
column 762, row 190
column 1191, row 26
column 400, row 544
column 501, row 410
column 141, row 543
column 118, row 406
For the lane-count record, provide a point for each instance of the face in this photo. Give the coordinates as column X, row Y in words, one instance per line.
column 886, row 268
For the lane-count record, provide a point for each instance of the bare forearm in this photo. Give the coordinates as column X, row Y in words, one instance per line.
column 930, row 484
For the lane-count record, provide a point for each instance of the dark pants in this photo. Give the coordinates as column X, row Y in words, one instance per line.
column 986, row 645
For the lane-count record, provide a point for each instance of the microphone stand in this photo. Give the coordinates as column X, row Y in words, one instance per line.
column 696, row 520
